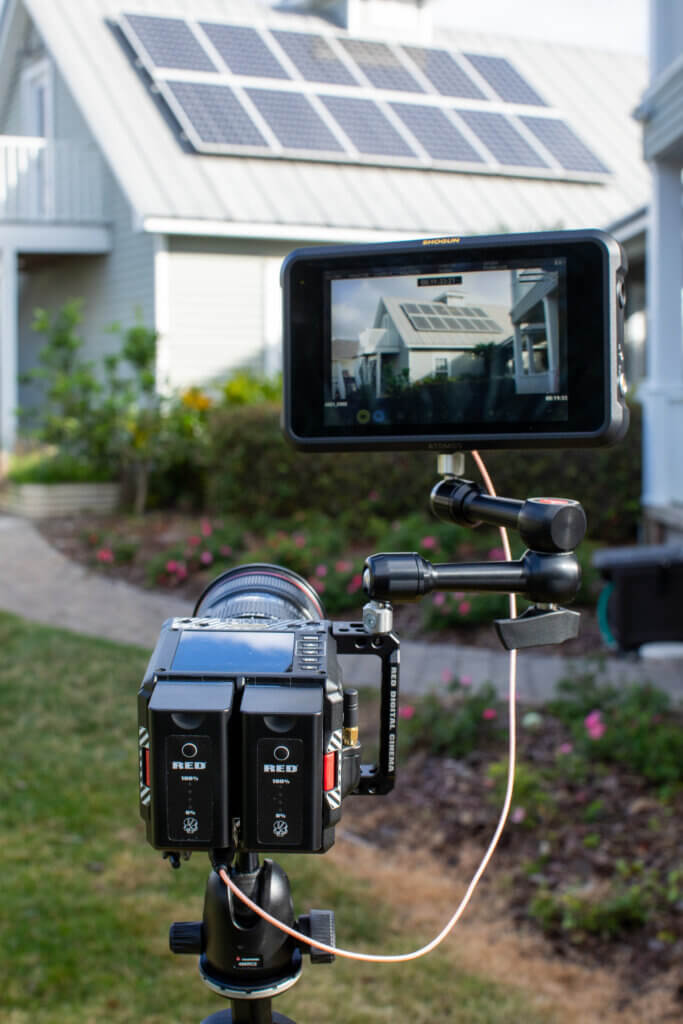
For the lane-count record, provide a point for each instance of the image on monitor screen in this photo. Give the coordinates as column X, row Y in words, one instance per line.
column 472, row 345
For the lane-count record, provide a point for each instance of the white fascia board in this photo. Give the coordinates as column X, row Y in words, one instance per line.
column 53, row 238
column 279, row 232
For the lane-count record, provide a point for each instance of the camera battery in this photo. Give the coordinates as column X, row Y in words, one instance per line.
column 188, row 733
column 282, row 767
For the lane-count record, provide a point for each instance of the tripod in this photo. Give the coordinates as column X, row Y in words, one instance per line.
column 241, row 956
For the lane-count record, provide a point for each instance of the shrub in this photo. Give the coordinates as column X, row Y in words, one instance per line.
column 454, row 728
column 572, row 910
column 251, row 469
column 632, row 726
column 57, row 468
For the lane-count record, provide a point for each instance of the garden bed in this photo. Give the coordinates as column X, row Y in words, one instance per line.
column 183, row 553
column 591, row 856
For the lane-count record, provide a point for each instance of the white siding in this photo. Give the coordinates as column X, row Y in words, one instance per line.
column 224, row 309
column 32, row 50
column 114, row 287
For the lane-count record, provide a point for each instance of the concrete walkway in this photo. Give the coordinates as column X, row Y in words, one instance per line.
column 39, row 583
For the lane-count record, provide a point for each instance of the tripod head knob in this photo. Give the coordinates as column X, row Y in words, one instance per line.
column 319, row 925
column 186, row 937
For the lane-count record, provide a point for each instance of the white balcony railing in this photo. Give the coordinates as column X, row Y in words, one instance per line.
column 50, row 181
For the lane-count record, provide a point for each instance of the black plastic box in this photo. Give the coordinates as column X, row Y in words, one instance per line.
column 643, row 602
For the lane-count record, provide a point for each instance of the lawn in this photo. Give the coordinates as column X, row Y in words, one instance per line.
column 87, row 904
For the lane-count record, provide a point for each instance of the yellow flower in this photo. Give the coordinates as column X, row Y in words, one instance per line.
column 194, row 398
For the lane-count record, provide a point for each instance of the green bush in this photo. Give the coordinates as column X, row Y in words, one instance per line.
column 623, row 907
column 59, row 468
column 252, row 470
column 454, row 728
column 632, row 726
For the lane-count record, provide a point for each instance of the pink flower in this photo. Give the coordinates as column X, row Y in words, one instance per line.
column 439, row 598
column 181, row 574
column 354, row 584
column 194, row 540
column 518, row 815
column 321, row 570
column 465, row 680
column 464, row 608
column 299, row 539
column 105, row 555
column 428, row 542
column 225, row 550
column 373, row 496
column 407, row 711
column 458, row 595
column 565, row 748
column 319, row 586
column 205, row 527
column 595, row 727
column 446, row 675
column 343, row 566
column 496, row 554
column 206, row 558
column 489, row 714
column 171, row 566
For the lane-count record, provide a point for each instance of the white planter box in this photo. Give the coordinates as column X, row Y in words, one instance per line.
column 40, row 501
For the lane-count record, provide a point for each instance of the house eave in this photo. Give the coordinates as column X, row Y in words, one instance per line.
column 290, row 232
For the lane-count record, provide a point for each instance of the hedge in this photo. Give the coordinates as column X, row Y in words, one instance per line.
column 253, row 471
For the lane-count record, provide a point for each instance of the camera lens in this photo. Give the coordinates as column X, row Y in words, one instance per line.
column 260, row 593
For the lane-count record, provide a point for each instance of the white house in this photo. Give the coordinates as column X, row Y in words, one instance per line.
column 164, row 155
column 456, row 334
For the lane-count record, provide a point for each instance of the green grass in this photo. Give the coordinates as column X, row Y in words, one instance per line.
column 86, row 903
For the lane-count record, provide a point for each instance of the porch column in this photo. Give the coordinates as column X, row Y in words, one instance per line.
column 662, row 392
column 9, row 341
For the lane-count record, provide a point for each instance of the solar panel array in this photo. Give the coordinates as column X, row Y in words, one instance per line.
column 274, row 92
column 437, row 316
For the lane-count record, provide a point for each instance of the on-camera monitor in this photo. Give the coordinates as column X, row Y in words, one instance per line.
column 505, row 341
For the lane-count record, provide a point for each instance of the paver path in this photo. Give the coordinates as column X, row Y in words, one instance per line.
column 39, row 583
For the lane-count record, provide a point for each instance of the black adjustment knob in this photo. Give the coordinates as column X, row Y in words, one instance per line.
column 319, row 925
column 186, row 937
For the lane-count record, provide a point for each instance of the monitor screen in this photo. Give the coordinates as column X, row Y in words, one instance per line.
column 467, row 344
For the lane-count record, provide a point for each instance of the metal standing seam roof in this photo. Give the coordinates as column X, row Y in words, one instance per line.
column 166, row 181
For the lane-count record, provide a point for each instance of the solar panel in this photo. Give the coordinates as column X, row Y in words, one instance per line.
column 436, row 133
column 437, row 316
column 169, row 43
column 444, row 73
column 294, row 121
column 367, row 127
column 243, row 50
column 501, row 138
column 565, row 146
column 381, row 66
column 216, row 115
column 504, row 79
column 314, row 57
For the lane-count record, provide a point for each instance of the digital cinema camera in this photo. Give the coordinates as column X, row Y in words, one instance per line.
column 248, row 738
